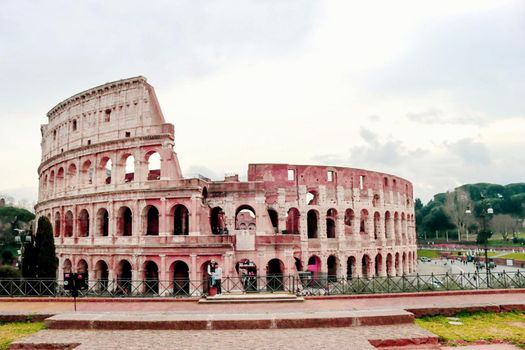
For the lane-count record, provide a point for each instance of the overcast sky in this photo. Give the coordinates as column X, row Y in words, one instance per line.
column 433, row 91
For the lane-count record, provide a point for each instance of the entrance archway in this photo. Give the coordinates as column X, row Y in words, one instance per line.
column 151, row 278
column 274, row 275
column 181, row 278
column 124, row 276
column 101, row 275
column 332, row 268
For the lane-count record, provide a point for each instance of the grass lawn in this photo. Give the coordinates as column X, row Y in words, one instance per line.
column 432, row 254
column 516, row 256
column 10, row 332
column 491, row 327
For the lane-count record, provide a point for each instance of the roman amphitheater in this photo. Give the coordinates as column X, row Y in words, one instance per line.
column 121, row 209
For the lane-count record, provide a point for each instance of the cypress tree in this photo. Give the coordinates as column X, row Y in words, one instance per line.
column 29, row 261
column 45, row 249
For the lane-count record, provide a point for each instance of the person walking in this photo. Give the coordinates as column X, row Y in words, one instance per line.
column 217, row 276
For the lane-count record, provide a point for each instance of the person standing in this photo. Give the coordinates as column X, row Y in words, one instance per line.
column 218, row 277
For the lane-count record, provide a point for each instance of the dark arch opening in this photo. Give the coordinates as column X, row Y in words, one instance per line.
column 332, row 268
column 124, row 276
column 181, row 278
column 152, row 224
column 275, row 275
column 124, row 222
column 217, row 220
column 151, row 278
column 274, row 219
column 312, row 223
column 181, row 217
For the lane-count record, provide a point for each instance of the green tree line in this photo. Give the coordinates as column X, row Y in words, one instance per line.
column 457, row 214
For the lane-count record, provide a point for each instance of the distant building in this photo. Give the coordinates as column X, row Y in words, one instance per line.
column 118, row 216
column 2, row 202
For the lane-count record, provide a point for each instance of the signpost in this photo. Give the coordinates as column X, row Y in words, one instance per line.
column 74, row 282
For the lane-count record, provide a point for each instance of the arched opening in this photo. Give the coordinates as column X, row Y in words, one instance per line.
column 331, row 217
column 57, row 224
column 314, row 266
column 124, row 276
column 247, row 271
column 378, row 265
column 181, row 278
column 389, row 265
column 83, row 223
column 377, row 223
column 45, row 184
column 350, row 268
column 102, row 228
column 181, row 219
column 396, row 224
column 72, row 175
column 151, row 277
column 67, row 266
column 69, row 224
column 87, row 173
column 375, row 200
column 349, row 221
column 404, row 264
column 312, row 197
column 274, row 277
column 397, row 264
column 153, row 160
column 82, row 267
column 332, row 268
column 274, row 219
column 293, row 221
column 129, row 165
column 105, row 169
column 151, row 218
column 52, row 182
column 365, row 266
column 388, row 232
column 217, row 220
column 101, row 276
column 311, row 223
column 60, row 180
column 245, row 218
column 124, row 222
column 363, row 222
column 403, row 225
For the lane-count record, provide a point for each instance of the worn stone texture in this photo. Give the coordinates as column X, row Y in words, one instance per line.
column 118, row 215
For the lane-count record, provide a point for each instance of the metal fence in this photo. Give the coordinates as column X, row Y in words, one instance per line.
column 303, row 285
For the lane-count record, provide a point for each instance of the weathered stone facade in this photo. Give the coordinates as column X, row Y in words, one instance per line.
column 118, row 216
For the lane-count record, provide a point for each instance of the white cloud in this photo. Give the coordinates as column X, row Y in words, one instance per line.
column 431, row 91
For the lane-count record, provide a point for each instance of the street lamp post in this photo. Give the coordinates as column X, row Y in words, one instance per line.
column 486, row 210
column 22, row 237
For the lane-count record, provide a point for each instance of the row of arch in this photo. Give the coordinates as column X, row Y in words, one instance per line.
column 390, row 226
column 65, row 225
column 102, row 171
column 123, row 274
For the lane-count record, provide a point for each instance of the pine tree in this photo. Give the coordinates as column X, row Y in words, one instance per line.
column 45, row 249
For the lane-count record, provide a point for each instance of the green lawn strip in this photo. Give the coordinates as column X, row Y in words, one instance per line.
column 515, row 256
column 432, row 254
column 506, row 326
column 10, row 332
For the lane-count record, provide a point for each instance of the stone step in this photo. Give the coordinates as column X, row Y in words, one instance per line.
column 251, row 298
column 205, row 321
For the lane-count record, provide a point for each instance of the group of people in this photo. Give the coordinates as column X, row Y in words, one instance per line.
column 215, row 276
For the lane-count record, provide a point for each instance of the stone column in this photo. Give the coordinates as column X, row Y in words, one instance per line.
column 163, row 218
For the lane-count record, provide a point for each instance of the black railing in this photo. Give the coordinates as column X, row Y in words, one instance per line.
column 303, row 285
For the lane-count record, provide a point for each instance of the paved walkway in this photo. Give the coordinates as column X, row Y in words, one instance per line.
column 354, row 338
column 388, row 302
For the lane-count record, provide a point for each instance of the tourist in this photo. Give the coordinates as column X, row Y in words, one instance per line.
column 217, row 275
column 211, row 277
